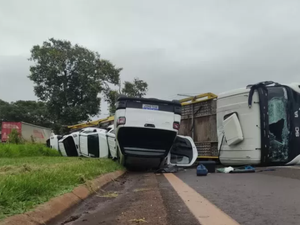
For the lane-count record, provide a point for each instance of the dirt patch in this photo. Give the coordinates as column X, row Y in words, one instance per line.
column 12, row 170
column 138, row 201
column 109, row 195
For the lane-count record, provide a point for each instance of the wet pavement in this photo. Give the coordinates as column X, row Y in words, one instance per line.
column 264, row 198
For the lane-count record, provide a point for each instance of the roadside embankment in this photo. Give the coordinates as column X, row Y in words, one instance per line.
column 26, row 182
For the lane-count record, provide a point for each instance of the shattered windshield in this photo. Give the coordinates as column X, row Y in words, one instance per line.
column 278, row 124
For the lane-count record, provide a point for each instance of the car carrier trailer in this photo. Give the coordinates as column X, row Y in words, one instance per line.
column 198, row 120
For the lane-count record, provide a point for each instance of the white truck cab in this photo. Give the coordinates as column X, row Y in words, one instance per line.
column 259, row 124
column 146, row 128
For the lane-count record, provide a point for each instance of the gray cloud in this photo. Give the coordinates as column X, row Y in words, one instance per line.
column 177, row 47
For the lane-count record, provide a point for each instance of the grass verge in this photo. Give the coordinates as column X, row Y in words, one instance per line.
column 28, row 181
column 26, row 150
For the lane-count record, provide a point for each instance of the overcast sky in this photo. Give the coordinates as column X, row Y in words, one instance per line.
column 178, row 47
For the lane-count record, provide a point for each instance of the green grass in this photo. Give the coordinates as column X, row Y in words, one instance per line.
column 25, row 150
column 28, row 181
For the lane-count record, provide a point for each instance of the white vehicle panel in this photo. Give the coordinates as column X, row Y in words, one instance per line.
column 83, row 144
column 103, row 145
column 54, row 142
column 111, row 140
column 62, row 147
column 232, row 130
column 141, row 117
column 184, row 152
column 248, row 151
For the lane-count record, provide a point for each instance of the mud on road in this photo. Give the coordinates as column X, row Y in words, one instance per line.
column 135, row 198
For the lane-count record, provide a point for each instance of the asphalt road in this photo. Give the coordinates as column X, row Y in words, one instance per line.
column 146, row 198
column 266, row 198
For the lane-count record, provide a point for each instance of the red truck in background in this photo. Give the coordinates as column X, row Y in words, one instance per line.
column 28, row 131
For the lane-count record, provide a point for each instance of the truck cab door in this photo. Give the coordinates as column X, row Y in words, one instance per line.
column 183, row 152
column 111, row 141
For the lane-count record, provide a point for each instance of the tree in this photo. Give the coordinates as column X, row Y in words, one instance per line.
column 31, row 112
column 25, row 111
column 137, row 88
column 4, row 111
column 69, row 79
column 111, row 98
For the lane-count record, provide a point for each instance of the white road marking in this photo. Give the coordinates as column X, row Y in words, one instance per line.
column 206, row 212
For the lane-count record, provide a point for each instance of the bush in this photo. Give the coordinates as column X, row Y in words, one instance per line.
column 15, row 137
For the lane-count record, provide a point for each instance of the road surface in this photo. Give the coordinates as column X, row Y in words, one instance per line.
column 185, row 199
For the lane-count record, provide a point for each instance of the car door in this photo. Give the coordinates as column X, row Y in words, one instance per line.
column 183, row 152
column 83, row 144
column 61, row 147
column 111, row 141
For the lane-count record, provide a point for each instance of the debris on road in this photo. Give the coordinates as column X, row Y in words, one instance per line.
column 168, row 169
column 246, row 169
column 210, row 166
column 138, row 220
column 225, row 169
column 201, row 170
column 109, row 195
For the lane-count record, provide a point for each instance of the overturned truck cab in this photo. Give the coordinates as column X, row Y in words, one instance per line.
column 259, row 125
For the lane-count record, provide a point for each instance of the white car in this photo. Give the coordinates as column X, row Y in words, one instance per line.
column 53, row 141
column 146, row 129
column 68, row 145
column 88, row 142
